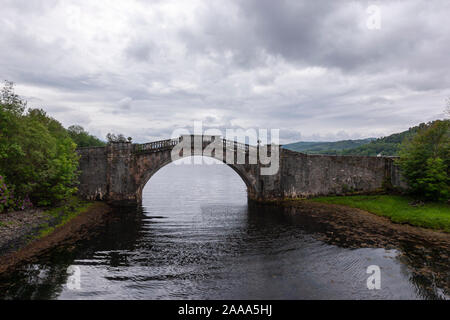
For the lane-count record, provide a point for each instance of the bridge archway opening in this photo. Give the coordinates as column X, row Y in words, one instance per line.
column 197, row 177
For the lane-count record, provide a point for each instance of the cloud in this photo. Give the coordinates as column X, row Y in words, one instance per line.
column 310, row 68
column 125, row 103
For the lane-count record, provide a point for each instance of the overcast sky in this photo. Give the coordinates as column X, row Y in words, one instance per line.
column 313, row 69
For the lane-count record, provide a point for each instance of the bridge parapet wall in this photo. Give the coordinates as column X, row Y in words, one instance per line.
column 305, row 175
column 118, row 172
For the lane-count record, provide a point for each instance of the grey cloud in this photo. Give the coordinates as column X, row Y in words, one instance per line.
column 32, row 7
column 125, row 103
column 325, row 33
column 309, row 68
column 140, row 51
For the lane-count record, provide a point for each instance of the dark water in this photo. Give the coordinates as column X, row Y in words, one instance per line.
column 196, row 238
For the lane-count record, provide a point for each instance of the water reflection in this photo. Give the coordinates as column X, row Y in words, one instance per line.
column 196, row 238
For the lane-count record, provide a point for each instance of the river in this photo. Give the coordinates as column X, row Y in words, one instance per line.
column 195, row 237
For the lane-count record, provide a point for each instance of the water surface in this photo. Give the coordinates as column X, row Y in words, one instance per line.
column 196, row 238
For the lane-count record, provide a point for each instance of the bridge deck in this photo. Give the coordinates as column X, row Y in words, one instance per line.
column 168, row 144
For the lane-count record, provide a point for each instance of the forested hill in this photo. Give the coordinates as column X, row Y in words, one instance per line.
column 386, row 146
column 326, row 147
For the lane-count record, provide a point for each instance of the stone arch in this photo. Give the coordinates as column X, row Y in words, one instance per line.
column 118, row 172
column 246, row 172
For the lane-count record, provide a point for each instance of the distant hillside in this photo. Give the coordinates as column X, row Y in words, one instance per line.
column 386, row 146
column 326, row 147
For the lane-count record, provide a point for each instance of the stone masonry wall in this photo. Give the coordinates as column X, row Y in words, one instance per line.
column 93, row 177
column 117, row 174
column 314, row 175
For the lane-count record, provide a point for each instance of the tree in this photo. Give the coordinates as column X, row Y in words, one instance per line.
column 425, row 161
column 82, row 138
column 37, row 155
column 10, row 101
column 435, row 180
column 112, row 138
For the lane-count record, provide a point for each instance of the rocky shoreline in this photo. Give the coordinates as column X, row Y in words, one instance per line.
column 18, row 227
column 20, row 241
column 426, row 251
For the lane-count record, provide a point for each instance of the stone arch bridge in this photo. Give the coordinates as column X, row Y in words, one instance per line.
column 118, row 172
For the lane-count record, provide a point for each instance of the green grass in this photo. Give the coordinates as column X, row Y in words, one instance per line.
column 399, row 209
column 71, row 209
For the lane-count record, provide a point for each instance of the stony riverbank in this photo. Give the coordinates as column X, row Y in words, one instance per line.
column 27, row 234
column 428, row 250
column 17, row 228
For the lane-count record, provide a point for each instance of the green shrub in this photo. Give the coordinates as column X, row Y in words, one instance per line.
column 6, row 198
column 435, row 180
column 425, row 161
column 8, row 201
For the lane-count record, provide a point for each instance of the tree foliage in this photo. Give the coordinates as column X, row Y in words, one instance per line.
column 37, row 155
column 82, row 138
column 425, row 161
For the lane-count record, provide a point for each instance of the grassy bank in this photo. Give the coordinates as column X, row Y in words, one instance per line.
column 63, row 214
column 399, row 209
